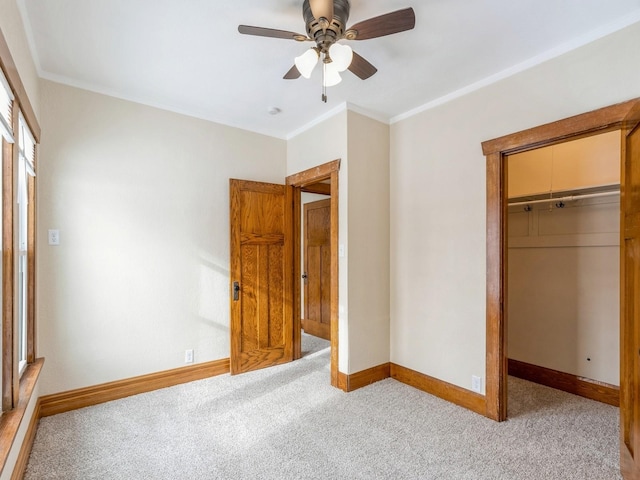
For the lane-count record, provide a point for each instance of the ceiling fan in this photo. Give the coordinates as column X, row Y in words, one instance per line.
column 326, row 22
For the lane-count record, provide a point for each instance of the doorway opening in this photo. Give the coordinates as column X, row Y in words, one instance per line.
column 621, row 117
column 322, row 180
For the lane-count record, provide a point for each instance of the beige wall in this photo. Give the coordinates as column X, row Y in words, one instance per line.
column 368, row 155
column 438, row 183
column 140, row 197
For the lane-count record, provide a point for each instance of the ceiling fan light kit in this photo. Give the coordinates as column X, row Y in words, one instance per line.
column 330, row 76
column 325, row 22
column 341, row 56
column 306, row 62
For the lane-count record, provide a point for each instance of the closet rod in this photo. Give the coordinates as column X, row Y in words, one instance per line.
column 567, row 198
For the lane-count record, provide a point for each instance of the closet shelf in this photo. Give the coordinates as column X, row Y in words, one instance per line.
column 567, row 195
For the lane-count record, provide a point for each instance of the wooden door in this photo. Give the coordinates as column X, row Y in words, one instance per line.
column 630, row 309
column 261, row 275
column 317, row 269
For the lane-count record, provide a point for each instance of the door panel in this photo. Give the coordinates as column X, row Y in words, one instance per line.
column 317, row 267
column 261, row 275
column 630, row 302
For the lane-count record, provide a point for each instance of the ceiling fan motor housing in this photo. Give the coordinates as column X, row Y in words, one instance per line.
column 324, row 33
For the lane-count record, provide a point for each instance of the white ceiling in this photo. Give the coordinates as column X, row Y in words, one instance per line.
column 187, row 55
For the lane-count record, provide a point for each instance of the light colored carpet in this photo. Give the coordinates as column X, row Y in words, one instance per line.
column 287, row 422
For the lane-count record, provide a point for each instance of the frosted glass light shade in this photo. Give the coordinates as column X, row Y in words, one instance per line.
column 306, row 62
column 331, row 76
column 342, row 55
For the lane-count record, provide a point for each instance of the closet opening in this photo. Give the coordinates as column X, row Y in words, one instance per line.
column 563, row 266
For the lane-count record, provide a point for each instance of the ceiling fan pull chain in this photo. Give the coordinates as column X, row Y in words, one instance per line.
column 324, row 84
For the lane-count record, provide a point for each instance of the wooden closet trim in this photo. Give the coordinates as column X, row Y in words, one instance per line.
column 615, row 117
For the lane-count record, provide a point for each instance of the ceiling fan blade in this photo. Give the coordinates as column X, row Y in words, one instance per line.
column 322, row 8
column 387, row 24
column 361, row 67
column 292, row 74
column 270, row 32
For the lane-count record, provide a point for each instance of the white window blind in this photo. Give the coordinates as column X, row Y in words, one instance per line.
column 6, row 103
column 27, row 146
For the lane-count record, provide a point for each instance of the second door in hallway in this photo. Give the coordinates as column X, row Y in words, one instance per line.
column 317, row 261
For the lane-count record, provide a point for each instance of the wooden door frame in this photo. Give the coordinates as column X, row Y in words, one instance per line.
column 623, row 117
column 301, row 180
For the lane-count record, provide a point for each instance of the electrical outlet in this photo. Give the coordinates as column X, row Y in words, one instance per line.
column 188, row 356
column 54, row 237
column 476, row 383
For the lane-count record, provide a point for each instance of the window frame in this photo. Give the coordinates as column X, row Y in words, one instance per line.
column 21, row 107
